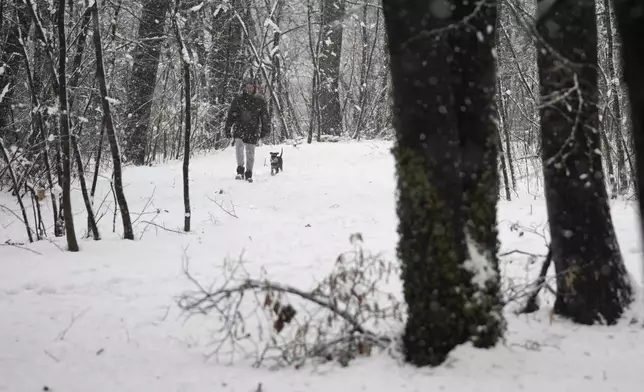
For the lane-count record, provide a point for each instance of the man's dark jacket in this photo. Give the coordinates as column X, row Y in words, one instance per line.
column 247, row 112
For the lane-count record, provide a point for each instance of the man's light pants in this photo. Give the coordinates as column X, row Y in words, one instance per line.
column 240, row 146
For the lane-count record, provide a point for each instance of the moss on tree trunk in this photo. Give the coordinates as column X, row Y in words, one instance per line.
column 444, row 76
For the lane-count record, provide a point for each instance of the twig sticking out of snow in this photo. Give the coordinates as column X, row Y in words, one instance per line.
column 63, row 333
column 230, row 211
column 162, row 228
column 52, row 356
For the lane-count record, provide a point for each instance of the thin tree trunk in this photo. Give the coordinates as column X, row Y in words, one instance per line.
column 613, row 84
column 503, row 125
column 177, row 148
column 366, row 66
column 609, row 163
column 65, row 140
column 128, row 232
column 12, row 174
column 48, row 54
column 35, row 202
column 503, row 111
column 78, row 57
column 91, row 219
column 504, row 169
column 97, row 164
column 185, row 61
column 73, row 83
column 40, row 129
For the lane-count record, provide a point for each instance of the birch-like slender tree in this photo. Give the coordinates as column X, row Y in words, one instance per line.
column 185, row 66
column 65, row 137
column 128, row 232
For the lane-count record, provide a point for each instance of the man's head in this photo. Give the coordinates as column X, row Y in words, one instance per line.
column 249, row 86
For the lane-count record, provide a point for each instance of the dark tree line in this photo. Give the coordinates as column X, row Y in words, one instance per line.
column 46, row 69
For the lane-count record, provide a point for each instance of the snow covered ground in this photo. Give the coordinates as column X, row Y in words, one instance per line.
column 105, row 318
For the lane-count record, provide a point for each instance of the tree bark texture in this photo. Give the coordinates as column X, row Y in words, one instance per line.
column 444, row 76
column 614, row 85
column 592, row 281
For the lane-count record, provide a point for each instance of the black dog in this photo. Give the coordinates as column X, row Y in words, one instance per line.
column 276, row 162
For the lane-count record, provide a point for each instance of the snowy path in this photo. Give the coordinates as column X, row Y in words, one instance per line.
column 103, row 319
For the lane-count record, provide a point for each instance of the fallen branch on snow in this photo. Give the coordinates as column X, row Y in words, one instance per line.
column 345, row 316
column 163, row 228
column 20, row 246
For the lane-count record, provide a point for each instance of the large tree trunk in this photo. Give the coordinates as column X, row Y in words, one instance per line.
column 630, row 25
column 448, row 182
column 592, row 281
column 329, row 67
column 140, row 89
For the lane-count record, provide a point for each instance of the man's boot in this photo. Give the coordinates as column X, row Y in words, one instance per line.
column 249, row 175
column 240, row 173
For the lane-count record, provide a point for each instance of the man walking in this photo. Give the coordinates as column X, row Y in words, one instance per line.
column 247, row 113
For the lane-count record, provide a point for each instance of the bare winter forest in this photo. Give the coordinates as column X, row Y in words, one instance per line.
column 169, row 69
column 486, row 101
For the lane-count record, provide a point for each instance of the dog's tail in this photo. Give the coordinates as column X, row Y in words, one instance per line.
column 282, row 152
